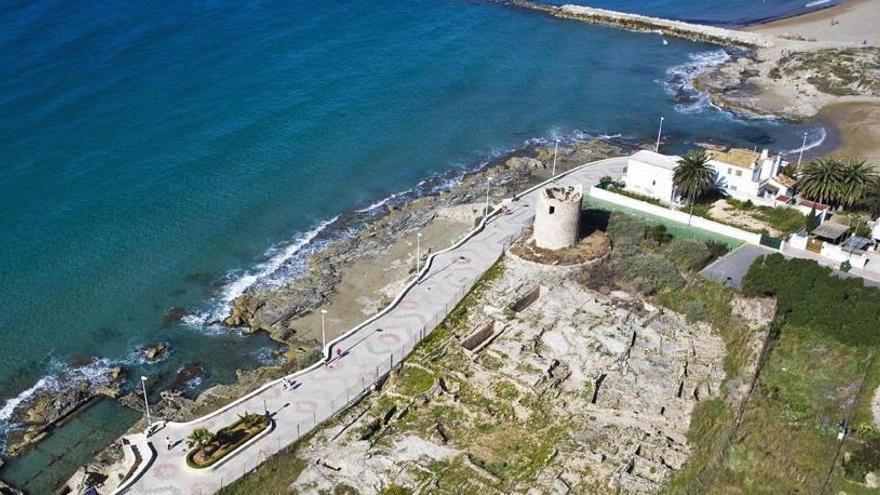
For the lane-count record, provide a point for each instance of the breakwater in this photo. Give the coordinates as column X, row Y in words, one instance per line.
column 637, row 22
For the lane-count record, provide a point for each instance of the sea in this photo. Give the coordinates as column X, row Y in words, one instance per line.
column 158, row 159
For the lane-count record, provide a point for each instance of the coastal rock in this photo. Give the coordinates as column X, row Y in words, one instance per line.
column 152, row 353
column 272, row 310
column 173, row 315
column 7, row 489
column 51, row 405
column 186, row 375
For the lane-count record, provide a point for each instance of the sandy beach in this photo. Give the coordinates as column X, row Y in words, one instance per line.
column 855, row 119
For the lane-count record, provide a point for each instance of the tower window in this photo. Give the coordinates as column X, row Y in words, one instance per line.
column 552, row 209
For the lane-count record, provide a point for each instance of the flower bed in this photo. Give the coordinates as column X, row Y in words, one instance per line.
column 225, row 441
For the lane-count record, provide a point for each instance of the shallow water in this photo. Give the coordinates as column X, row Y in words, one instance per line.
column 163, row 155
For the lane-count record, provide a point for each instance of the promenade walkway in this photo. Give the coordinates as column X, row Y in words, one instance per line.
column 368, row 353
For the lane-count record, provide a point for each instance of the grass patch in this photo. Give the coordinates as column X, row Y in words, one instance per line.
column 413, row 381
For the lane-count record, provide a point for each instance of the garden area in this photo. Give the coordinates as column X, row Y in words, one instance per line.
column 817, row 382
column 209, row 448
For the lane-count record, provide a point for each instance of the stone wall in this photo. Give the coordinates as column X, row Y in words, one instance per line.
column 558, row 215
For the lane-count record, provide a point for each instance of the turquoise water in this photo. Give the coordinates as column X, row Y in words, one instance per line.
column 159, row 155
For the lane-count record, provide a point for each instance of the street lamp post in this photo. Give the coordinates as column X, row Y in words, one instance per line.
column 488, row 186
column 659, row 133
column 323, row 329
column 555, row 152
column 801, row 155
column 418, row 253
column 146, row 403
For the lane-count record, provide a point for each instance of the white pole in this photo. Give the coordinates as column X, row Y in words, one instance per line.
column 323, row 330
column 801, row 156
column 488, row 185
column 659, row 132
column 146, row 402
column 418, row 253
column 555, row 152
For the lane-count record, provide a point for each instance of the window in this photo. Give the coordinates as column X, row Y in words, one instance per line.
column 653, row 182
column 733, row 188
column 552, row 209
column 739, row 173
column 729, row 170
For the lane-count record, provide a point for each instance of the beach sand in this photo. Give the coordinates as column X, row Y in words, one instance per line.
column 855, row 119
column 855, row 21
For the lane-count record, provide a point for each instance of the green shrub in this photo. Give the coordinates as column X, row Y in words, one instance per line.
column 689, row 255
column 811, row 297
column 651, row 273
column 624, row 229
column 864, row 460
column 695, row 310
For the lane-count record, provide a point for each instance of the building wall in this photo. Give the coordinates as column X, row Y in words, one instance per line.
column 742, row 184
column 677, row 216
column 557, row 222
column 650, row 180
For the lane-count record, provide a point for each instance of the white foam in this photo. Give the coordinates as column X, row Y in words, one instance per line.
column 680, row 80
column 815, row 138
column 95, row 373
column 816, row 3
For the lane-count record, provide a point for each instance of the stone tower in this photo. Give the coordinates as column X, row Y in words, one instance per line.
column 558, row 218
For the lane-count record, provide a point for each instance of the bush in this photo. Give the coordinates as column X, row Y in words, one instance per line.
column 651, row 273
column 811, row 297
column 624, row 229
column 695, row 310
column 864, row 460
column 689, row 255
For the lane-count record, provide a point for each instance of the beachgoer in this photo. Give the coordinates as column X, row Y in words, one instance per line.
column 168, row 442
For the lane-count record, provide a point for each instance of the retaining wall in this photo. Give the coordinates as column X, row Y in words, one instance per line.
column 676, row 216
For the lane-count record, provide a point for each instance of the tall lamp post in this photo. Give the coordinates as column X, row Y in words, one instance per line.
column 488, row 186
column 801, row 155
column 323, row 329
column 659, row 133
column 555, row 152
column 418, row 253
column 146, row 404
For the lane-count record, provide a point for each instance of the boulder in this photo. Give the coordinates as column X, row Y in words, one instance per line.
column 173, row 315
column 154, row 352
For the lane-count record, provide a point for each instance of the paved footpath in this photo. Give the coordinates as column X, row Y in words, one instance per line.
column 367, row 354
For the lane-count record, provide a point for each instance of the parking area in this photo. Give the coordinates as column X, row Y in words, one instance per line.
column 731, row 268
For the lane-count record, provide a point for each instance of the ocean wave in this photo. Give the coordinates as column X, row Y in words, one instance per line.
column 61, row 376
column 815, row 137
column 285, row 262
column 680, row 80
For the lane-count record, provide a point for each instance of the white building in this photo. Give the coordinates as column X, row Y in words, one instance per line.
column 742, row 174
column 749, row 175
column 650, row 174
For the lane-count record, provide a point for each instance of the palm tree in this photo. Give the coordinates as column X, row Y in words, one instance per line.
column 200, row 437
column 821, row 180
column 857, row 178
column 871, row 200
column 249, row 419
column 693, row 176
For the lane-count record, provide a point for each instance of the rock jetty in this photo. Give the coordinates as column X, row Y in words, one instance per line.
column 636, row 22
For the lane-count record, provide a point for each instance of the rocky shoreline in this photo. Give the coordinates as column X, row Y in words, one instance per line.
column 279, row 311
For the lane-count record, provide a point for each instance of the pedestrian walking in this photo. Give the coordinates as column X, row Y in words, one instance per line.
column 168, row 443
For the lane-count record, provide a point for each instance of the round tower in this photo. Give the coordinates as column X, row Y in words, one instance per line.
column 558, row 218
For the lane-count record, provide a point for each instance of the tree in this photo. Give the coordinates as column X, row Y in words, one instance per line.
column 871, row 200
column 857, row 178
column 693, row 176
column 249, row 419
column 821, row 180
column 810, row 222
column 200, row 437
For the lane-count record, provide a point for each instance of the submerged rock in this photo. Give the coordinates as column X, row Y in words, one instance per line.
column 154, row 352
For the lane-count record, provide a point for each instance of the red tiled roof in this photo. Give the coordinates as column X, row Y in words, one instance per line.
column 812, row 204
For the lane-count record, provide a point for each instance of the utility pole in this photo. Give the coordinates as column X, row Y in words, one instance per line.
column 555, row 152
column 659, row 133
column 801, row 155
column 146, row 404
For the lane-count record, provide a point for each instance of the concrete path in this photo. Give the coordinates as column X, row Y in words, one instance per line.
column 732, row 267
column 368, row 353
